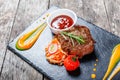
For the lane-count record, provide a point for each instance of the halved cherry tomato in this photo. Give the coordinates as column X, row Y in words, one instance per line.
column 71, row 63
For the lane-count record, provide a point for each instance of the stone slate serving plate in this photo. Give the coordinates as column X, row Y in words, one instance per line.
column 35, row 56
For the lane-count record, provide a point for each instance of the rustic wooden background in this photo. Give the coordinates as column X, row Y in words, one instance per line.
column 16, row 15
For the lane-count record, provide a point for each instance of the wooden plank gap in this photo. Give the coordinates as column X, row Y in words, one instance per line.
column 107, row 14
column 48, row 4
column 13, row 21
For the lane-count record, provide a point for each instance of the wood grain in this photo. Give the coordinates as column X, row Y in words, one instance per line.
column 14, row 68
column 94, row 12
column 7, row 14
column 113, row 12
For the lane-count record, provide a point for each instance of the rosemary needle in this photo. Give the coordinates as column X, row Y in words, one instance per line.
column 79, row 39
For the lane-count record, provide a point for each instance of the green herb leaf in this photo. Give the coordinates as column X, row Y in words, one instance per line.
column 74, row 58
column 79, row 39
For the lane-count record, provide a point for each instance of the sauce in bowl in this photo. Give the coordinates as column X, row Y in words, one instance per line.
column 62, row 22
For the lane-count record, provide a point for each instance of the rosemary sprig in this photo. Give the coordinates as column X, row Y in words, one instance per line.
column 79, row 39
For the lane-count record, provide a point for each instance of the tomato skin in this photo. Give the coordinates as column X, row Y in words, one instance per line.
column 71, row 64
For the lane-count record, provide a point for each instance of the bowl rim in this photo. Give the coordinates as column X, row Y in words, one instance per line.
column 74, row 21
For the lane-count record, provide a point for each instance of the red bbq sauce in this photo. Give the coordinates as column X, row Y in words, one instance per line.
column 61, row 22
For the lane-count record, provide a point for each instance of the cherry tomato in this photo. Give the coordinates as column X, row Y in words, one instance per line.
column 71, row 63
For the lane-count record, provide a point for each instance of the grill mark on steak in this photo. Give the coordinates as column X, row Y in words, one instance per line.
column 77, row 49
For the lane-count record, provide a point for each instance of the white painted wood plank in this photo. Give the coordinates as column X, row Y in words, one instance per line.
column 14, row 68
column 7, row 13
column 113, row 11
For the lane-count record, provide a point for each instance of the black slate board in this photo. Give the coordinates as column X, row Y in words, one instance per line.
column 35, row 56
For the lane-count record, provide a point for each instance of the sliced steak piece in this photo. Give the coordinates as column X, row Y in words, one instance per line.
column 72, row 46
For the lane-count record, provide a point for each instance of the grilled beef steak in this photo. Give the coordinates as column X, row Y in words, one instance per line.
column 72, row 46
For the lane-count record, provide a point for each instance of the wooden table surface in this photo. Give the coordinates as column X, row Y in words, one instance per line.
column 17, row 15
